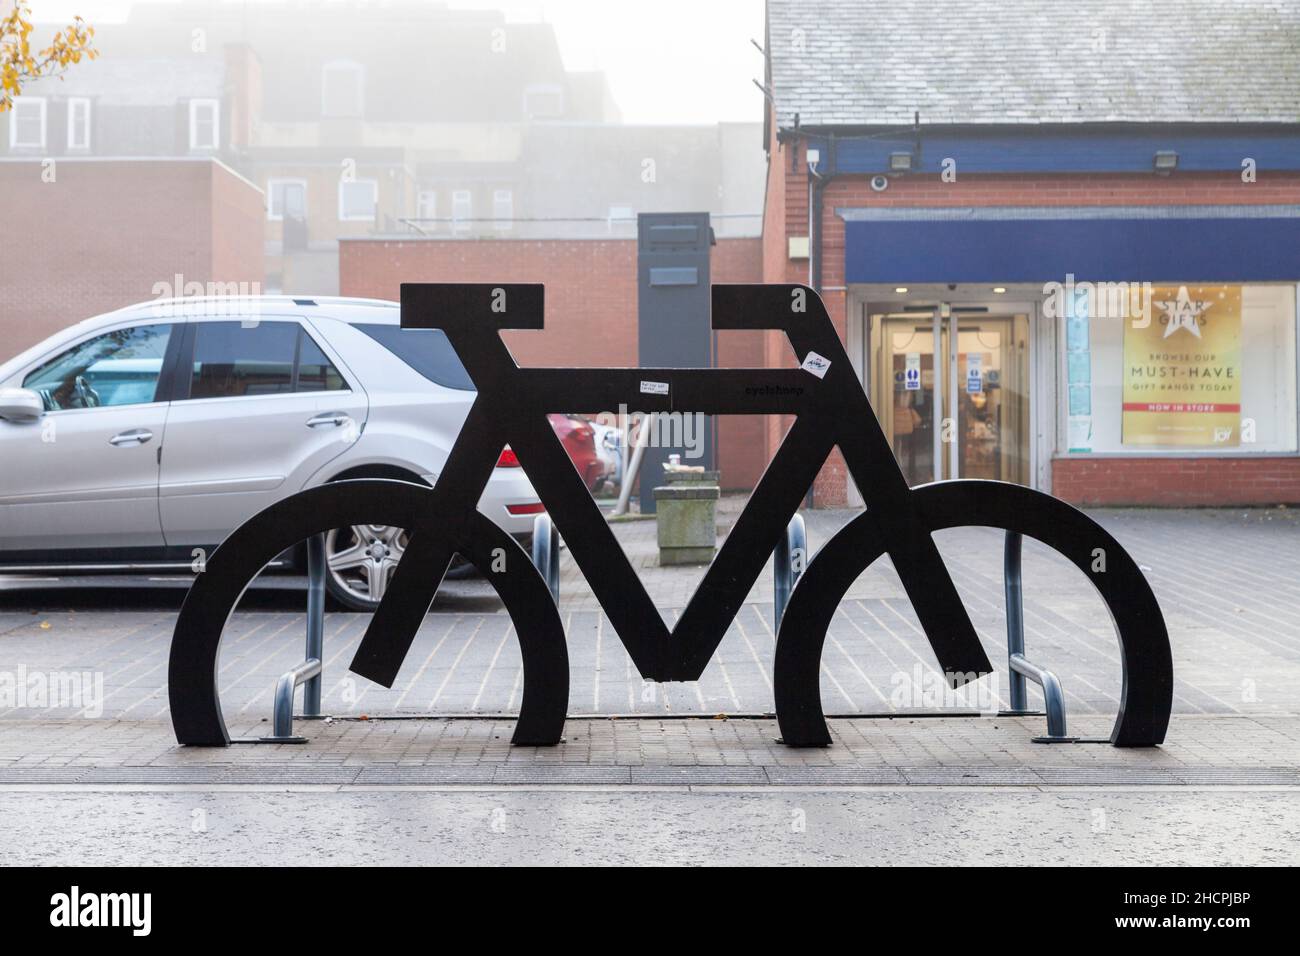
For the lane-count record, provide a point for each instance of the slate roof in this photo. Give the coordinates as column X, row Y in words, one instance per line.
column 875, row 62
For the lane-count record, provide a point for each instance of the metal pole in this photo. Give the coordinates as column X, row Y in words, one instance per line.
column 316, row 570
column 630, row 472
column 936, row 392
column 954, row 397
column 1015, row 617
column 785, row 575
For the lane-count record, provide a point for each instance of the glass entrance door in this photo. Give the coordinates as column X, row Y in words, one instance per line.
column 958, row 411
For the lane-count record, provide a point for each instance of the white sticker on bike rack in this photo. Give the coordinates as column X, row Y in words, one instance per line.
column 819, row 365
column 654, row 388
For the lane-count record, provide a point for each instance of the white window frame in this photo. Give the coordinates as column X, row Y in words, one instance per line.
column 374, row 192
column 195, row 106
column 19, row 101
column 426, row 207
column 73, row 103
column 274, row 181
column 503, row 209
column 350, row 66
column 459, row 223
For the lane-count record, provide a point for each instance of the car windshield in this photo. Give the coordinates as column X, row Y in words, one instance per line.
column 425, row 350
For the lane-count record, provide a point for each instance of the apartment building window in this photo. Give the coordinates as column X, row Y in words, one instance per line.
column 503, row 209
column 462, row 210
column 426, row 208
column 27, row 122
column 205, row 124
column 342, row 88
column 286, row 199
column 543, row 101
column 358, row 200
column 78, row 123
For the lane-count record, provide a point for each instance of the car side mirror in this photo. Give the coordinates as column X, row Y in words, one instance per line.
column 20, row 405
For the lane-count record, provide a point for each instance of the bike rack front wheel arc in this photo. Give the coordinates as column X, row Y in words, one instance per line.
column 196, row 641
column 1146, row 698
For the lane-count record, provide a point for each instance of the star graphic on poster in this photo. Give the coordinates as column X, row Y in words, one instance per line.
column 1183, row 312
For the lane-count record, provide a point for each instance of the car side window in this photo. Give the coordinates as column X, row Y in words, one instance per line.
column 316, row 373
column 426, row 350
column 234, row 359
column 121, row 367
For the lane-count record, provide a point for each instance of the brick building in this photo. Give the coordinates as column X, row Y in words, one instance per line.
column 1057, row 255
column 90, row 235
column 591, row 306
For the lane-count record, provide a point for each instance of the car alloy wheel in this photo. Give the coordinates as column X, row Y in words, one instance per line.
column 361, row 562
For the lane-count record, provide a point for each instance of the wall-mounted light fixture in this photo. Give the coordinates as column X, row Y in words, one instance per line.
column 900, row 162
column 1166, row 161
column 902, row 289
column 999, row 290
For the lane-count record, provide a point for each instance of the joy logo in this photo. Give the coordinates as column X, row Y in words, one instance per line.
column 102, row 909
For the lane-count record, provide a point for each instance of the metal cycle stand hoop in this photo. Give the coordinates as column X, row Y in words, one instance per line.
column 308, row 673
column 546, row 554
column 1020, row 667
column 785, row 574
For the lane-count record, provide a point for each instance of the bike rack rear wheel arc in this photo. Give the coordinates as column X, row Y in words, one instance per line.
column 1146, row 698
column 196, row 642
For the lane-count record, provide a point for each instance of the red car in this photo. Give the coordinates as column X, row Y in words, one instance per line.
column 579, row 440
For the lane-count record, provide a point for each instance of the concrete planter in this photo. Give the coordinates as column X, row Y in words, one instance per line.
column 686, row 517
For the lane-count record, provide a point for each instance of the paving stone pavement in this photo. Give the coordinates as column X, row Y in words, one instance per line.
column 1200, row 751
column 1225, row 579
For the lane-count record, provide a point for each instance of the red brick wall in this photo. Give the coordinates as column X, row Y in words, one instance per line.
column 591, row 305
column 1178, row 482
column 1181, row 189
column 104, row 233
column 786, row 215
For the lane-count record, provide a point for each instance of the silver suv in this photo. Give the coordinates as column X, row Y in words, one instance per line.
column 139, row 439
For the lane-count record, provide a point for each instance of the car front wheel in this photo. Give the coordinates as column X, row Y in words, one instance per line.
column 362, row 559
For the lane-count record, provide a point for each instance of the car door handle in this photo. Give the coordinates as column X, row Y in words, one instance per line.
column 131, row 438
column 328, row 418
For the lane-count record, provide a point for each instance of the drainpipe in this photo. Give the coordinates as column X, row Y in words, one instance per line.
column 817, row 183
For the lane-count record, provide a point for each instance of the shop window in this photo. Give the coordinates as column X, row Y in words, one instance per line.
column 1177, row 368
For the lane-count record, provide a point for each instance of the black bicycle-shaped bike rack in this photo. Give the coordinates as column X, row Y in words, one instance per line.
column 829, row 409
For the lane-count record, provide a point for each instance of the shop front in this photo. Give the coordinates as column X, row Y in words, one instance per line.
column 1108, row 355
